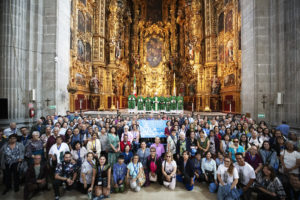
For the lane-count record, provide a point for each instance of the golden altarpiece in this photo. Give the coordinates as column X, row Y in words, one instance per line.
column 197, row 42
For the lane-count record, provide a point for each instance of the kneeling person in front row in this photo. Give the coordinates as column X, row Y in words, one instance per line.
column 65, row 174
column 35, row 177
column 186, row 171
column 119, row 174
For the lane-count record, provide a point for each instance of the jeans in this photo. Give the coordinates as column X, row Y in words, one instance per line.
column 57, row 183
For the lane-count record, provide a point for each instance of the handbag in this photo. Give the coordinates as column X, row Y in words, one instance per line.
column 152, row 178
column 142, row 179
column 166, row 180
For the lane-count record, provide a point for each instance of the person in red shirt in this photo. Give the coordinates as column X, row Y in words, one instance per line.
column 124, row 143
column 168, row 129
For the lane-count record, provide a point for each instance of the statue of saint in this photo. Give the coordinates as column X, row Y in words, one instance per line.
column 215, row 85
column 94, row 85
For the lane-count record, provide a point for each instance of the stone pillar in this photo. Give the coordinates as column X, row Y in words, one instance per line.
column 13, row 57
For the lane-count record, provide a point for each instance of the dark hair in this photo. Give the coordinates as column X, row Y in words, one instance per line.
column 231, row 167
column 271, row 169
column 121, row 157
column 13, row 135
column 77, row 142
column 67, row 152
column 263, row 145
column 238, row 154
column 246, row 142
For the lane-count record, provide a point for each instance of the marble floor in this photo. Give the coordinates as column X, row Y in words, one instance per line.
column 152, row 192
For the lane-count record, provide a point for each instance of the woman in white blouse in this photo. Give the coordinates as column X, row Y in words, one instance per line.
column 94, row 145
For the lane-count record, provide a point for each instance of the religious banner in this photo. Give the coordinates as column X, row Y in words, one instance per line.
column 152, row 128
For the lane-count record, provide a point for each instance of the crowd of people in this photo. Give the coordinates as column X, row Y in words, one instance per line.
column 235, row 156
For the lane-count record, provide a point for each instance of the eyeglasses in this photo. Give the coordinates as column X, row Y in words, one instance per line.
column 236, row 141
column 168, row 156
column 152, row 151
column 226, row 160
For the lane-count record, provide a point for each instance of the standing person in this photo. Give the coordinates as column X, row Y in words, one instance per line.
column 57, row 151
column 246, row 176
column 78, row 153
column 11, row 130
column 12, row 153
column 143, row 154
column 94, row 145
column 34, row 147
column 168, row 129
column 136, row 138
column 225, row 144
column 25, row 137
column 290, row 159
column 101, row 179
column 182, row 145
column 186, row 171
column 52, row 139
column 103, row 137
column 268, row 155
column 284, row 128
column 235, row 148
column 35, row 177
column 203, row 143
column 65, row 174
column 114, row 143
column 214, row 145
column 119, row 174
column 127, row 154
column 124, row 143
column 128, row 133
column 172, row 142
column 228, row 178
column 88, row 168
column 253, row 158
column 169, row 169
column 160, row 149
column 192, row 142
column 135, row 174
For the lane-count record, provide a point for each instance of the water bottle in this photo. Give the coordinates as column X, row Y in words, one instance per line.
column 90, row 196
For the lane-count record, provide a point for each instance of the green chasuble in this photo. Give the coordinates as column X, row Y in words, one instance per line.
column 155, row 103
column 173, row 103
column 148, row 103
column 162, row 102
column 131, row 102
column 180, row 103
column 140, row 103
column 168, row 103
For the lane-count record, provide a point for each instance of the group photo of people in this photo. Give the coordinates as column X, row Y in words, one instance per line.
column 232, row 156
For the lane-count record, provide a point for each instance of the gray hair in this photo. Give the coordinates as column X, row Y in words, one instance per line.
column 36, row 133
column 55, row 129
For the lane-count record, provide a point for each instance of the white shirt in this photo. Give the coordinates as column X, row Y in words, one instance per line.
column 246, row 173
column 59, row 151
column 225, row 176
column 290, row 159
column 257, row 142
column 7, row 132
column 87, row 169
column 169, row 166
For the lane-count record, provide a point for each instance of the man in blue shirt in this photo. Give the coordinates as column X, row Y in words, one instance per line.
column 284, row 128
column 119, row 174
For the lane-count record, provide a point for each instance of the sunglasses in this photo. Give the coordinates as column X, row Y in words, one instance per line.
column 236, row 141
column 168, row 156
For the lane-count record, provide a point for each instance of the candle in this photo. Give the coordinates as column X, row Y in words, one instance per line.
column 230, row 107
column 192, row 107
column 117, row 105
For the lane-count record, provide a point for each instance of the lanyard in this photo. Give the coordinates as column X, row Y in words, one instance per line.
column 94, row 144
column 78, row 152
column 135, row 168
column 101, row 169
column 91, row 164
column 58, row 147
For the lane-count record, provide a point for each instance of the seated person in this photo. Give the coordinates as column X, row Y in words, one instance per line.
column 135, row 174
column 119, row 174
column 124, row 143
column 186, row 171
column 228, row 178
column 65, row 174
column 246, row 176
column 127, row 154
column 35, row 177
column 209, row 169
column 169, row 168
column 267, row 185
column 220, row 159
column 197, row 165
column 88, row 168
column 101, row 179
column 160, row 149
column 154, row 167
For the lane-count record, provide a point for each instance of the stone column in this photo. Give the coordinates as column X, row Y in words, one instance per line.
column 13, row 57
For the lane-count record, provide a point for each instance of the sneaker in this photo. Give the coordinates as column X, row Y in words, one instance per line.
column 57, row 198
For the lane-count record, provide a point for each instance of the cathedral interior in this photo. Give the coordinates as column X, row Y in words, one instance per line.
column 192, row 46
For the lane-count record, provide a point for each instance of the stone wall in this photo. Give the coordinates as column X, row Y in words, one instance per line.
column 34, row 54
column 270, row 59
